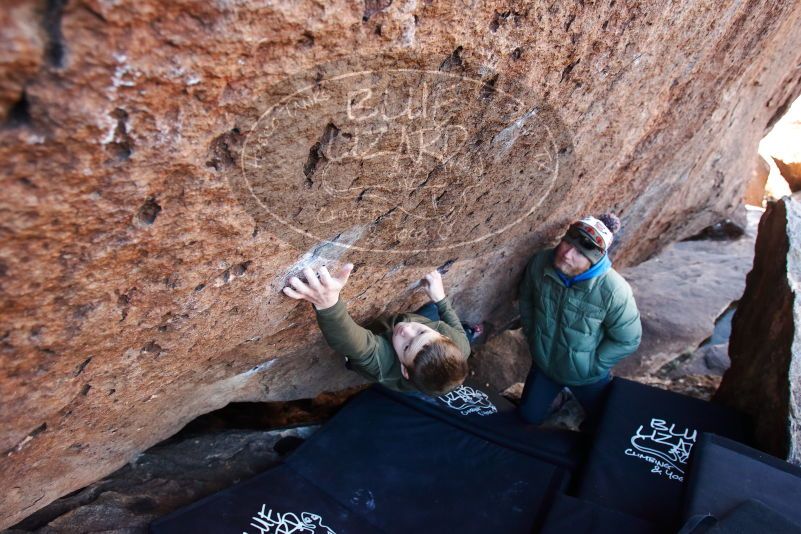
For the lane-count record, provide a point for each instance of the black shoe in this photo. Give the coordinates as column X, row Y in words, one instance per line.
column 474, row 332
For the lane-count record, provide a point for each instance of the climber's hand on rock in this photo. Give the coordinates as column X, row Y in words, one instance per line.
column 320, row 288
column 432, row 283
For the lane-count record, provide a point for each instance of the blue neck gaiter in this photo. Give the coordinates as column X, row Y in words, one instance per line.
column 596, row 270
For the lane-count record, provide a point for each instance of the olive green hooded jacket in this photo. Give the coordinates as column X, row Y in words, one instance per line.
column 370, row 352
column 577, row 334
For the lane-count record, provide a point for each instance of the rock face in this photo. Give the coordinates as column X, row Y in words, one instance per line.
column 764, row 380
column 503, row 361
column 166, row 477
column 755, row 191
column 791, row 170
column 167, row 166
column 784, row 146
column 680, row 293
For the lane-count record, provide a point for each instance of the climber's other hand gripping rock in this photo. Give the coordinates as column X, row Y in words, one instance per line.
column 432, row 283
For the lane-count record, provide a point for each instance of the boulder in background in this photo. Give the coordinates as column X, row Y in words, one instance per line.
column 764, row 380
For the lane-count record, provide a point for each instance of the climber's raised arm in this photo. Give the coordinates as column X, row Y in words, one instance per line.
column 422, row 350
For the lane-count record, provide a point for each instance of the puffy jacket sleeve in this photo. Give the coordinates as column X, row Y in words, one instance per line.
column 622, row 329
column 526, row 299
column 369, row 354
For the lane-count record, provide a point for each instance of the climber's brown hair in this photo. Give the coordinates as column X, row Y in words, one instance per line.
column 439, row 367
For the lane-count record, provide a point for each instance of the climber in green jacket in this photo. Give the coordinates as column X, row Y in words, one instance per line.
column 425, row 351
column 579, row 318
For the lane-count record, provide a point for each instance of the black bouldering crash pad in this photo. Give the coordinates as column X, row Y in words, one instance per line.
column 640, row 455
column 491, row 416
column 725, row 474
column 577, row 516
column 383, row 464
column 464, row 462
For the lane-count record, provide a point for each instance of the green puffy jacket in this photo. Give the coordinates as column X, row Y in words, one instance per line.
column 577, row 334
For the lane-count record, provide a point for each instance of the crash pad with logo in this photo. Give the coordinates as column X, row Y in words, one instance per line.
column 487, row 414
column 384, row 465
column 639, row 457
column 275, row 501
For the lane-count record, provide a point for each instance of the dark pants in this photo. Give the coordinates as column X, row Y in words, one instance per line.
column 429, row 311
column 540, row 391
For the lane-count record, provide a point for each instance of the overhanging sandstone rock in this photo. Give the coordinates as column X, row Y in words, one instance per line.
column 764, row 380
column 140, row 276
column 755, row 191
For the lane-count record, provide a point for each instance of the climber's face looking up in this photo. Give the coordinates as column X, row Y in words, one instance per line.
column 569, row 260
column 407, row 340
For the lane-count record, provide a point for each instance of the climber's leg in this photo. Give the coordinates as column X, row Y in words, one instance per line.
column 538, row 395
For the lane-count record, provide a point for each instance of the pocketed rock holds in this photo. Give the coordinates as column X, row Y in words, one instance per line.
column 764, row 380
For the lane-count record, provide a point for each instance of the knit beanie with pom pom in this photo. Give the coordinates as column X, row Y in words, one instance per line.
column 592, row 236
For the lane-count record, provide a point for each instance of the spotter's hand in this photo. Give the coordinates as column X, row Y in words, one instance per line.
column 320, row 288
column 432, row 283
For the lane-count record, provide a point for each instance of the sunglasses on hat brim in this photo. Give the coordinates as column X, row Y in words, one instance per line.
column 581, row 240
